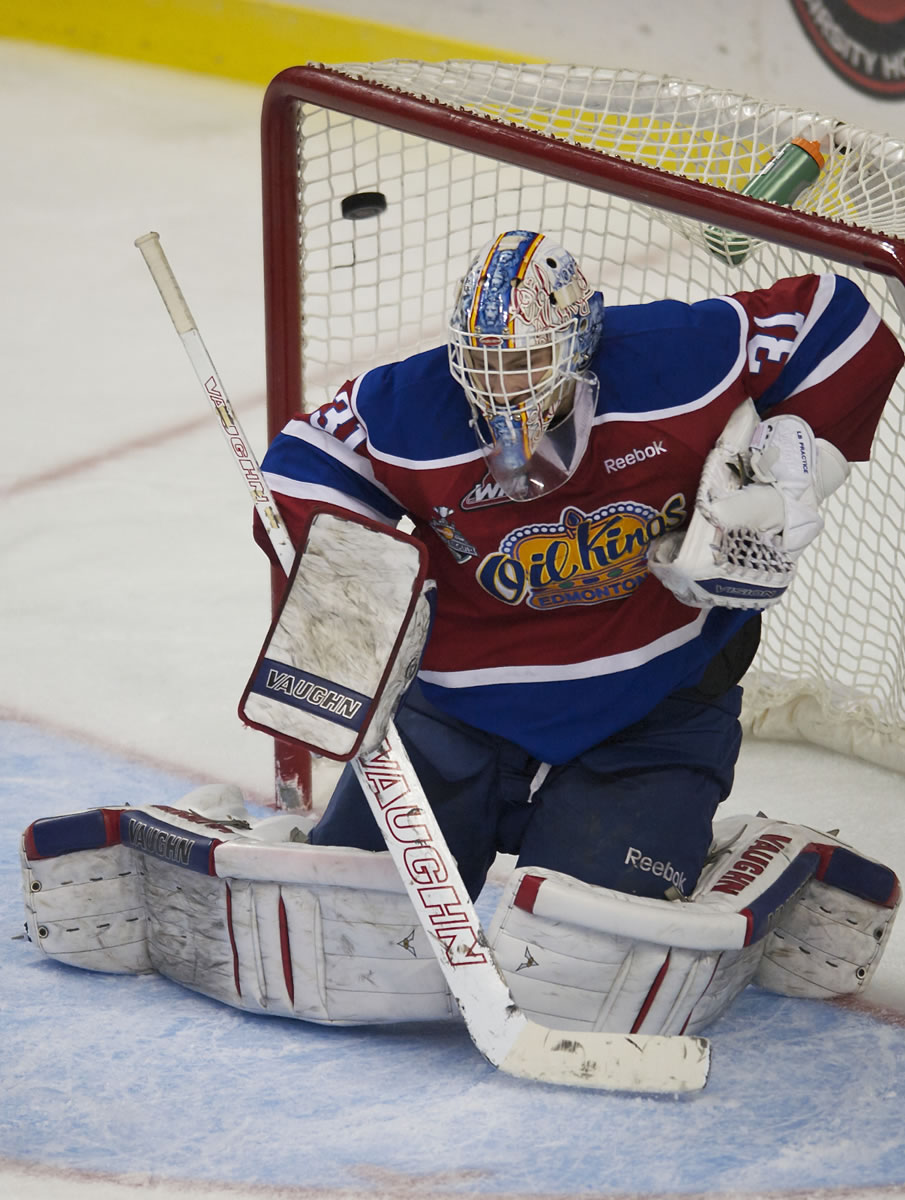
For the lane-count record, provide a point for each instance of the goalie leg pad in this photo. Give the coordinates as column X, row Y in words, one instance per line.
column 331, row 955
column 830, row 942
column 84, row 907
column 257, row 923
column 777, row 904
column 616, row 964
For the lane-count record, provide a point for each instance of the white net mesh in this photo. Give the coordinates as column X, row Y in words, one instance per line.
column 832, row 664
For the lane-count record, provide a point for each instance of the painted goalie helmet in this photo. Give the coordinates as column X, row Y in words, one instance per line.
column 524, row 327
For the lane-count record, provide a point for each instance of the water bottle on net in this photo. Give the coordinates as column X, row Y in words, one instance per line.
column 781, row 180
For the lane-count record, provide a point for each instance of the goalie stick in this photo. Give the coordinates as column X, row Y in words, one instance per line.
column 497, row 1026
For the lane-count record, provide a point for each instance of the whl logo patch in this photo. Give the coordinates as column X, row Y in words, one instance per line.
column 485, row 493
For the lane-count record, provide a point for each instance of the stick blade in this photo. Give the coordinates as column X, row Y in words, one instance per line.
column 616, row 1062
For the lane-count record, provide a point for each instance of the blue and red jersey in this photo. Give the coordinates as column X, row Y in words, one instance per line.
column 549, row 629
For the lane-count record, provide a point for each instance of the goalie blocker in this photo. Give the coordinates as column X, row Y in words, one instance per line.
column 250, row 914
column 347, row 638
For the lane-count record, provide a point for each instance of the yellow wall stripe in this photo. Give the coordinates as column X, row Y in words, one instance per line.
column 248, row 40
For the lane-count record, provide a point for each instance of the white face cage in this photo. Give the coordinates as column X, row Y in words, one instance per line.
column 530, row 422
column 519, row 381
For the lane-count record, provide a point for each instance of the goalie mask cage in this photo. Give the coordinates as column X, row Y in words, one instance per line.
column 639, row 176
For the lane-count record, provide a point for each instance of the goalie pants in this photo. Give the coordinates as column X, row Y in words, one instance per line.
column 633, row 813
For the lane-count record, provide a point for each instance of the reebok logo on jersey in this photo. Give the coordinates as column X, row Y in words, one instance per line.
column 633, row 456
column 664, row 870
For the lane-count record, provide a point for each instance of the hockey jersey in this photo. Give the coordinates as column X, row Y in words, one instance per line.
column 549, row 629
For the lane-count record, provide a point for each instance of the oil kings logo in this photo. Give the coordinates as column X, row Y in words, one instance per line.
column 587, row 558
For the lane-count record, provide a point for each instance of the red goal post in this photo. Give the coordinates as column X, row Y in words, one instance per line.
column 635, row 174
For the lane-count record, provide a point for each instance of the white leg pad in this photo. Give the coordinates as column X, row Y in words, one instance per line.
column 274, row 935
column 777, row 904
column 326, row 954
column 830, row 942
column 88, row 909
column 787, row 907
column 574, row 958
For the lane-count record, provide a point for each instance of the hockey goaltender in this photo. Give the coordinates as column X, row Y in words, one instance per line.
column 602, row 502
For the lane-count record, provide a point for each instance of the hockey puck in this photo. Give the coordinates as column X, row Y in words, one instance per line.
column 363, row 204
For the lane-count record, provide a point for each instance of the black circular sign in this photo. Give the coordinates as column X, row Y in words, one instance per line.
column 862, row 40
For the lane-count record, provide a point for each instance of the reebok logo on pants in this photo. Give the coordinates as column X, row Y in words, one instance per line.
column 664, row 870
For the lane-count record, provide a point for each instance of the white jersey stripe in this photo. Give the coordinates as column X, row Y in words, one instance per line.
column 300, row 490
column 826, row 289
column 408, row 464
column 610, row 664
column 855, row 341
column 662, row 414
column 328, row 444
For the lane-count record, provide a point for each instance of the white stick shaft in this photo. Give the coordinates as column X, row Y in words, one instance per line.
column 184, row 322
column 498, row 1028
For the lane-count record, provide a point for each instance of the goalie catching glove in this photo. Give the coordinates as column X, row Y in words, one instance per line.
column 756, row 511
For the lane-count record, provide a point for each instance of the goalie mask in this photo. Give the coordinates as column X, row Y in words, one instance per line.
column 523, row 329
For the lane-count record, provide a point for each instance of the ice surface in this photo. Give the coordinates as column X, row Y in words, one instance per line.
column 133, row 606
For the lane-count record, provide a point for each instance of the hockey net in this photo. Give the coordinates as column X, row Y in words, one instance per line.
column 637, row 175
